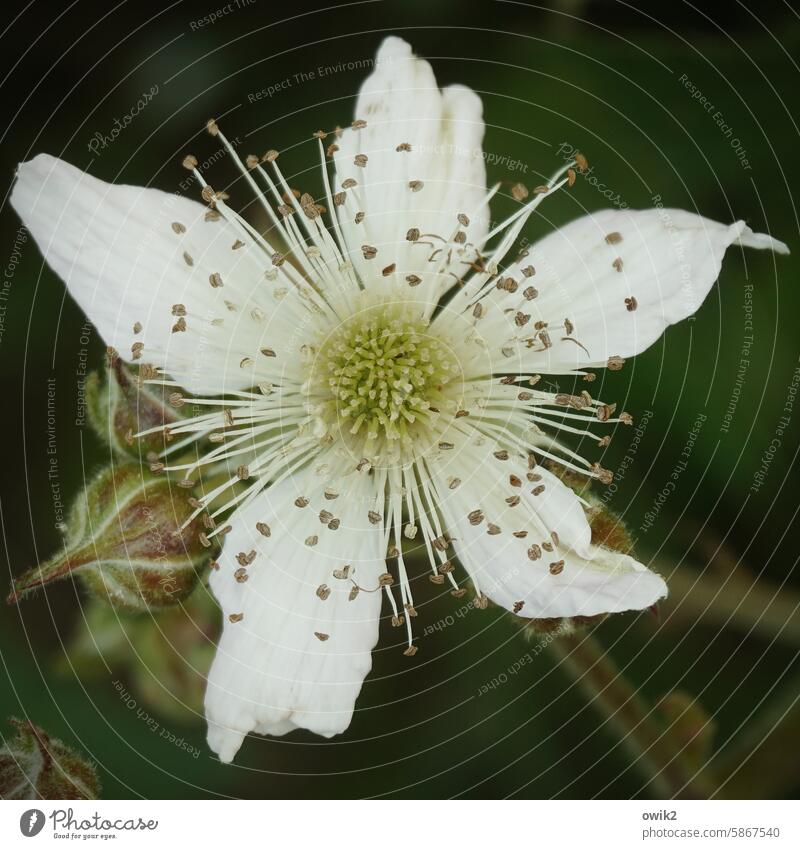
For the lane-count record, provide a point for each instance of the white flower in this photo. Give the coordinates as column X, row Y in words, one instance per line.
column 368, row 369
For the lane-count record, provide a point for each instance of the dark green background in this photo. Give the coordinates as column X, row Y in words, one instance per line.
column 603, row 77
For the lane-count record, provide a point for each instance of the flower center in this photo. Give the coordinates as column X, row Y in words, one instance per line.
column 384, row 379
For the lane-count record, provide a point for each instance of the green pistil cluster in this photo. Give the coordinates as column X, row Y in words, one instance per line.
column 386, row 373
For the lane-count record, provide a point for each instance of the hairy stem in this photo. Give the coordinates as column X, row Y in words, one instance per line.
column 649, row 744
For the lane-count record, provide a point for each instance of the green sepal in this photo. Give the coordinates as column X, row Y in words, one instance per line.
column 124, row 541
column 34, row 765
column 122, row 404
column 174, row 648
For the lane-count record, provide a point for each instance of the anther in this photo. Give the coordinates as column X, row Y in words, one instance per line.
column 520, row 192
column 603, row 475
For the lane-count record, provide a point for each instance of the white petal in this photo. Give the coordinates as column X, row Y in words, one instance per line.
column 123, row 262
column 593, row 580
column 271, row 673
column 402, row 103
column 609, row 582
column 667, row 259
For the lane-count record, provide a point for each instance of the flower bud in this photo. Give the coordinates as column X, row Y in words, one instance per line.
column 34, row 765
column 547, row 630
column 122, row 405
column 174, row 648
column 124, row 541
column 608, row 529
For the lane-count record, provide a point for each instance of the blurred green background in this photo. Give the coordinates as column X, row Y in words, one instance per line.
column 609, row 79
